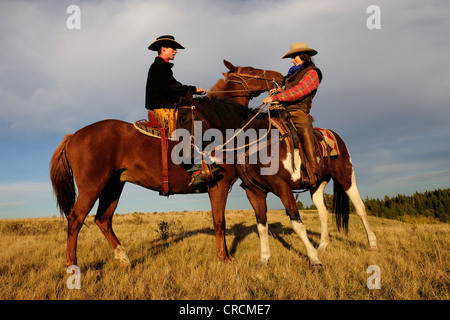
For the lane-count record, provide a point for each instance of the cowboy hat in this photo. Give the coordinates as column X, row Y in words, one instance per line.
column 165, row 41
column 299, row 47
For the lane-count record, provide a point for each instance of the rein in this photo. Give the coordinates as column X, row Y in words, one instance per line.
column 261, row 108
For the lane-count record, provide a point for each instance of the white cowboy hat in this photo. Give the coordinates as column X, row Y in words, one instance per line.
column 299, row 47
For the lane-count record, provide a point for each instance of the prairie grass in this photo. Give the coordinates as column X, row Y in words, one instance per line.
column 182, row 264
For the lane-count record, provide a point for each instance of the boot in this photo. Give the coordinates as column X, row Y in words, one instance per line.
column 204, row 175
column 199, row 178
column 312, row 175
column 311, row 166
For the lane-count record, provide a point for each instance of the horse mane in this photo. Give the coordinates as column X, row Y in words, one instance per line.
column 225, row 112
column 218, row 86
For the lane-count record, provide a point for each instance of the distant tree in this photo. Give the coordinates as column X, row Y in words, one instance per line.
column 429, row 204
column 328, row 198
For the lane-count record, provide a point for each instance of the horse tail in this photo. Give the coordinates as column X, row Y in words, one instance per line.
column 62, row 178
column 341, row 207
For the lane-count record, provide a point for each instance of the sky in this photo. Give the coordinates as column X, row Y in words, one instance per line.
column 385, row 91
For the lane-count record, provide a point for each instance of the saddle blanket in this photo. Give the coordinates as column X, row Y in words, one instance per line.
column 329, row 142
column 328, row 146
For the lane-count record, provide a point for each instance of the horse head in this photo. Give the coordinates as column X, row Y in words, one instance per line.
column 244, row 83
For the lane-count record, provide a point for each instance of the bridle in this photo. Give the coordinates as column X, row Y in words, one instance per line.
column 244, row 78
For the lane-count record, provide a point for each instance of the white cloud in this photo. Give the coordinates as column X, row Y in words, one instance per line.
column 26, row 199
column 65, row 77
column 382, row 89
column 23, row 188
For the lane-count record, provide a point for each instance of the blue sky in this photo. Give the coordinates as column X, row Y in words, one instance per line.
column 386, row 91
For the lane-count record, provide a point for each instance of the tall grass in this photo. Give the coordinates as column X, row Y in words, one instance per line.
column 413, row 259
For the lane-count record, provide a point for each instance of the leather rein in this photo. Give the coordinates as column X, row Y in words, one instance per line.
column 204, row 120
column 243, row 82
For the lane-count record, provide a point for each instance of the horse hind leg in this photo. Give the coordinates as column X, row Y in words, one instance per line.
column 258, row 201
column 108, row 201
column 354, row 196
column 75, row 220
column 284, row 192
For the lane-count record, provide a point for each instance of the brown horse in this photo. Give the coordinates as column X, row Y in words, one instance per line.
column 287, row 177
column 102, row 156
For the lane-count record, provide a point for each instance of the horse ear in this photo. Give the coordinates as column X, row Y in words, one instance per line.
column 229, row 65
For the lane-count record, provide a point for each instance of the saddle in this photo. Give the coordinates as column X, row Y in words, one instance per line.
column 160, row 125
column 325, row 141
column 161, row 122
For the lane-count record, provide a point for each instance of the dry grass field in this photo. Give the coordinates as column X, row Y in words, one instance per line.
column 413, row 260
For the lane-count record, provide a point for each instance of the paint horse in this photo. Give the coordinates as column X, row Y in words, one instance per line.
column 287, row 177
column 340, row 169
column 100, row 158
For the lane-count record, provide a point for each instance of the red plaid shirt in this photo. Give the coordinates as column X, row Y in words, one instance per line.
column 309, row 83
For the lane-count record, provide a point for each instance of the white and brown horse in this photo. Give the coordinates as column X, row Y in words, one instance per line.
column 287, row 178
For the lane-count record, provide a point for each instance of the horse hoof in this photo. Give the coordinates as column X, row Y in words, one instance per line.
column 374, row 248
column 316, row 268
column 263, row 262
column 121, row 255
column 125, row 262
column 227, row 259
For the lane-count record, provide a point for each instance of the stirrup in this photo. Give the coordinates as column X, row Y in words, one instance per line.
column 198, row 179
column 312, row 177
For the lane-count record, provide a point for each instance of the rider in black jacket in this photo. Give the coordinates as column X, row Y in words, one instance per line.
column 163, row 90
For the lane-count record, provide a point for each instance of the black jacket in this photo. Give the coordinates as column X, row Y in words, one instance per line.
column 162, row 90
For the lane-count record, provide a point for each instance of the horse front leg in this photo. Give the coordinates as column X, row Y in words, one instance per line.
column 218, row 198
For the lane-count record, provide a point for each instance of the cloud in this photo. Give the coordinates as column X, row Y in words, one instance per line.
column 384, row 91
column 26, row 199
column 61, row 79
column 6, row 189
column 443, row 175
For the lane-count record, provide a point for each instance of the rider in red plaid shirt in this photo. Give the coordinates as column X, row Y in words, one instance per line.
column 309, row 83
column 301, row 85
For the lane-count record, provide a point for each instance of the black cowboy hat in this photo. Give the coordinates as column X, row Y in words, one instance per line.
column 165, row 41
